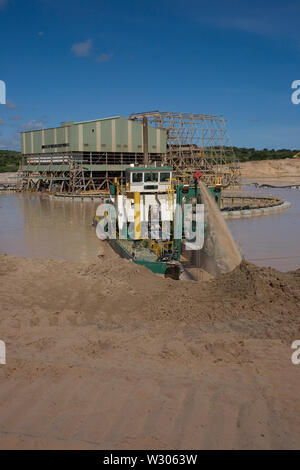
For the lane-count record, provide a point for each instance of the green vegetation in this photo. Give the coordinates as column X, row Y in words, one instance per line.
column 245, row 154
column 9, row 160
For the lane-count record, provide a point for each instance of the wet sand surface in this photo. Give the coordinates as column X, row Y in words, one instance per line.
column 107, row 355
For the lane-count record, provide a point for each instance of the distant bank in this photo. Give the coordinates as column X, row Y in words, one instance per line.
column 8, row 177
column 286, row 167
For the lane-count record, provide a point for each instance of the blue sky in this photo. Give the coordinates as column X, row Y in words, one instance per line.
column 80, row 60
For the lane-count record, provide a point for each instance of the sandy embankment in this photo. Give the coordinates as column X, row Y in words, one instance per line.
column 9, row 177
column 111, row 356
column 271, row 168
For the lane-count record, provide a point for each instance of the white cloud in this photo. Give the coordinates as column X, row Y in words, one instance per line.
column 104, row 57
column 33, row 125
column 86, row 49
column 17, row 117
column 3, row 4
column 11, row 143
column 10, row 104
column 82, row 49
column 249, row 24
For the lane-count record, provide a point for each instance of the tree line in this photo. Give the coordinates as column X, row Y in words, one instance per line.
column 243, row 154
column 9, row 160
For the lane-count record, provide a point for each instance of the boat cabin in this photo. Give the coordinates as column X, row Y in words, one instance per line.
column 148, row 179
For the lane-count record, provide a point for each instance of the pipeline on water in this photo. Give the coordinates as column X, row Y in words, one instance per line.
column 265, row 185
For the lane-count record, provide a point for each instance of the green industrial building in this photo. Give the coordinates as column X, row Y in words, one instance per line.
column 79, row 156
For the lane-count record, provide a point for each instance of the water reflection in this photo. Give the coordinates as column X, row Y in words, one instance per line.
column 33, row 225
column 36, row 226
column 272, row 240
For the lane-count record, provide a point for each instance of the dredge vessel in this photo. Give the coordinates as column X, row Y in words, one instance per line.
column 149, row 216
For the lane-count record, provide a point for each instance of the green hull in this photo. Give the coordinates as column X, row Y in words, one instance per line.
column 157, row 267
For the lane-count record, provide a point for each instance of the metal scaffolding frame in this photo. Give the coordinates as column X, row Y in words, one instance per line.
column 195, row 142
column 76, row 172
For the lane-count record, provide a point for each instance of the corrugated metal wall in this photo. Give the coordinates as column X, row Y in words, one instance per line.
column 103, row 135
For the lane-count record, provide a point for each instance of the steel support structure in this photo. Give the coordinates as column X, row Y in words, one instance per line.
column 195, row 142
column 77, row 172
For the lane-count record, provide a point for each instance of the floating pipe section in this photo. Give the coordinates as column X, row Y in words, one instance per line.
column 256, row 211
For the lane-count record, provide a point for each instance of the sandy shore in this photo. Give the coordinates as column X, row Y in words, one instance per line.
column 9, row 177
column 271, row 168
column 108, row 355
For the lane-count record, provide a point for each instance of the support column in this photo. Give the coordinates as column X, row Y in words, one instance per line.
column 137, row 216
column 145, row 140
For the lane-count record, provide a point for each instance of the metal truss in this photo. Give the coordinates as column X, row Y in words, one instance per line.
column 195, row 142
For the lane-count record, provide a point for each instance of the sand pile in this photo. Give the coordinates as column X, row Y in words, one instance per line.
column 9, row 177
column 111, row 356
column 248, row 281
column 271, row 168
column 117, row 288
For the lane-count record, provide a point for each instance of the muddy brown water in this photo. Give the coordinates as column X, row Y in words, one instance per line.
column 272, row 240
column 32, row 225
